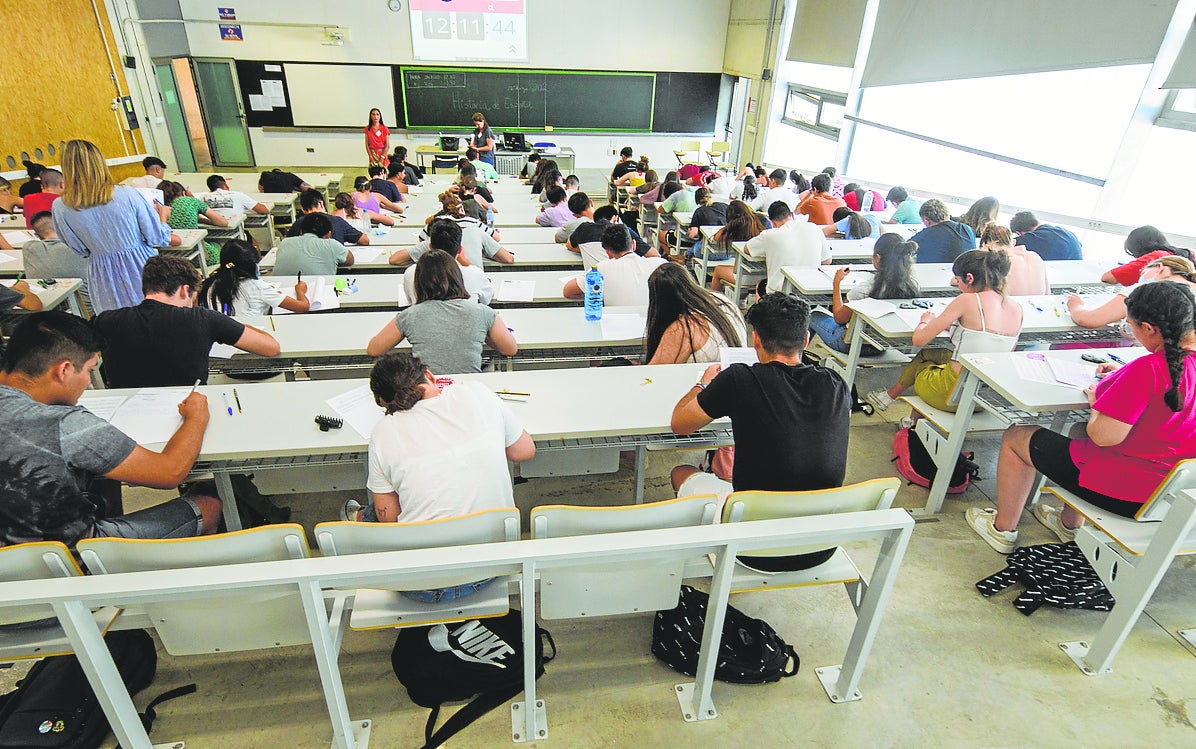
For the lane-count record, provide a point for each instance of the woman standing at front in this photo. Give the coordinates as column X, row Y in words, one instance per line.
column 482, row 138
column 111, row 225
column 377, row 139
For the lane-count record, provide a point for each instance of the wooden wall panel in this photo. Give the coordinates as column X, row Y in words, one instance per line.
column 58, row 70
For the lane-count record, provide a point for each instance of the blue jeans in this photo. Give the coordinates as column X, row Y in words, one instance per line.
column 834, row 335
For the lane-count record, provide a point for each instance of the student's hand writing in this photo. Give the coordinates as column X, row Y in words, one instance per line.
column 301, row 288
column 711, row 372
column 194, row 406
column 1106, row 368
column 21, row 286
column 841, row 274
column 927, row 316
column 1074, row 301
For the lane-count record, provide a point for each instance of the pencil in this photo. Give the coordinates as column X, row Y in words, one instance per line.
column 272, row 325
column 194, row 387
column 237, row 398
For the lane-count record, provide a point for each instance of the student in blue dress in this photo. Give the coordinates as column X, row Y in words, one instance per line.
column 111, row 225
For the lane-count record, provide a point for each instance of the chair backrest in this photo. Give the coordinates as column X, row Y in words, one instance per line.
column 1181, row 477
column 690, row 146
column 875, row 494
column 722, row 148
column 615, row 587
column 249, row 619
column 34, row 561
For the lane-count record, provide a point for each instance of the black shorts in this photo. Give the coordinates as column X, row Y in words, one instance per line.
column 1050, row 452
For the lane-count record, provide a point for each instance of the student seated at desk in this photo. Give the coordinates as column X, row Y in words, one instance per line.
column 479, row 244
column 52, row 450
column 439, row 452
column 8, row 201
column 219, row 197
column 314, row 251
column 893, row 259
column 742, row 225
column 453, row 207
column 1143, row 422
column 236, row 289
column 674, row 198
column 379, row 184
column 587, row 238
column 849, row 224
column 687, row 322
column 476, row 198
column 907, row 208
column 1145, row 244
column 165, row 340
column 776, row 190
column 366, row 196
column 625, row 273
column 185, row 210
column 38, row 202
column 557, row 213
column 573, row 184
column 363, row 199
column 446, row 235
column 546, row 172
column 19, row 295
column 1027, row 271
column 50, row 257
column 791, row 241
column 312, row 205
column 1047, row 241
column 819, row 204
column 529, row 167
column 981, row 213
column 943, row 239
column 155, row 172
column 745, row 189
column 445, row 326
column 485, row 169
column 1167, row 268
column 276, row 180
column 404, row 176
column 865, row 201
column 633, row 177
column 708, row 213
column 33, row 184
column 982, row 319
column 582, row 208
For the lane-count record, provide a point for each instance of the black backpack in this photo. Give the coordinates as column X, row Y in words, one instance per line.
column 479, row 660
column 1055, row 574
column 750, row 652
column 54, row 706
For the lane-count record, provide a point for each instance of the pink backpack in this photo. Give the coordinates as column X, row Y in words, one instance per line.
column 917, row 467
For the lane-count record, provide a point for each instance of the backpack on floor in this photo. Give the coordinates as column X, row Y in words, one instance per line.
column 479, row 660
column 917, row 467
column 750, row 652
column 54, row 706
column 1055, row 574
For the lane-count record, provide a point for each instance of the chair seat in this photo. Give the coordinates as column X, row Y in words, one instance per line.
column 1132, row 535
column 983, row 420
column 838, row 569
column 48, row 639
column 388, row 609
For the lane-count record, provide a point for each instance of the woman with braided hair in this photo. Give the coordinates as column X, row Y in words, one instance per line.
column 1143, row 422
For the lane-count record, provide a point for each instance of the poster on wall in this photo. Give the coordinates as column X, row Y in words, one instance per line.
column 468, row 30
column 231, row 32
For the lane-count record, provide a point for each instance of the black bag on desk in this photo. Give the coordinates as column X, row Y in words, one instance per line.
column 54, row 706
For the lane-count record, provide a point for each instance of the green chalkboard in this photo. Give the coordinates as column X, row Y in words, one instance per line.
column 434, row 98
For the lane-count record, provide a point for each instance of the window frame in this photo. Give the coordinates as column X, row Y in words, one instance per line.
column 1175, row 118
column 819, row 97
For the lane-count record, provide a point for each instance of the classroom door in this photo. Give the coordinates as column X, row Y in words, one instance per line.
column 737, row 120
column 176, row 119
column 220, row 100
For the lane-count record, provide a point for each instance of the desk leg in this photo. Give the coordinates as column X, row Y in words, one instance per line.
column 529, row 719
column 228, row 501
column 343, row 734
column 696, row 700
column 949, row 448
column 738, row 279
column 641, row 458
column 857, row 326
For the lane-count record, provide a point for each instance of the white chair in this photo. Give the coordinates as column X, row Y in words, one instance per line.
column 688, row 147
column 248, row 619
column 385, row 608
column 616, row 587
column 1131, row 556
column 33, row 631
column 717, row 154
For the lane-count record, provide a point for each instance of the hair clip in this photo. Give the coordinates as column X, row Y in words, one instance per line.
column 329, row 422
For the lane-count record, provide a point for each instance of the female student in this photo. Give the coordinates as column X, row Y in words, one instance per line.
column 1167, row 268
column 745, row 190
column 1144, row 244
column 1143, row 422
column 893, row 260
column 482, row 138
column 849, row 224
column 235, row 287
column 652, row 192
column 8, row 201
column 982, row 213
column 377, row 139
column 687, row 323
column 185, row 210
column 742, row 224
column 1027, row 270
column 351, row 207
column 34, row 183
column 446, row 327
column 111, row 225
column 630, row 178
column 982, row 318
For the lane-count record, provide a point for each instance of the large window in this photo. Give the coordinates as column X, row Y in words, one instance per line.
column 814, row 109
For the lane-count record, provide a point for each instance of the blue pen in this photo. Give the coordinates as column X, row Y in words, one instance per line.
column 1035, row 306
column 230, row 408
column 1117, row 359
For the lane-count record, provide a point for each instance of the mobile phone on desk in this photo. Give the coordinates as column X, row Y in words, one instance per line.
column 1094, row 358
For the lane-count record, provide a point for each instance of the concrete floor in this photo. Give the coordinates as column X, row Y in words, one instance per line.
column 949, row 668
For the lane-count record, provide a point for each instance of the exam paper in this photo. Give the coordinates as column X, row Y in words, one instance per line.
column 729, row 355
column 516, row 291
column 1073, row 374
column 363, row 254
column 358, row 409
column 320, row 295
column 101, row 405
column 223, row 350
column 1033, row 370
column 17, row 238
column 622, row 327
column 874, row 307
column 6, row 258
column 151, row 415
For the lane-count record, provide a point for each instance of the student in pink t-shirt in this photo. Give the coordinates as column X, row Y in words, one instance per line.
column 1143, row 422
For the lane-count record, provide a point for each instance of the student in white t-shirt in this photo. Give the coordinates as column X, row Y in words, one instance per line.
column 236, row 289
column 624, row 274
column 221, row 198
column 789, row 242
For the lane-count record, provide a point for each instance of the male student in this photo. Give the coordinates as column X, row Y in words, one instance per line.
column 312, row 204
column 19, row 295
column 943, row 239
column 387, row 189
column 907, row 207
column 155, row 172
column 165, row 339
column 790, row 419
column 220, row 197
column 476, row 243
column 557, row 213
column 276, row 180
column 624, row 273
column 446, row 235
column 50, row 257
column 51, row 181
column 819, row 205
column 314, row 251
column 1050, row 242
column 789, row 242
column 410, row 174
column 582, row 209
column 51, row 449
column 572, row 185
column 485, row 169
column 587, row 238
column 777, row 190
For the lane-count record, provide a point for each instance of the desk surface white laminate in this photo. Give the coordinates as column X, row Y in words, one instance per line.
column 12, row 263
column 245, row 182
column 382, row 290
column 842, row 250
column 1040, row 314
column 55, row 294
column 1001, row 373
column 375, row 258
column 408, row 234
column 936, row 277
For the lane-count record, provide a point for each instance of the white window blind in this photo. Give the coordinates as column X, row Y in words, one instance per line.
column 826, row 31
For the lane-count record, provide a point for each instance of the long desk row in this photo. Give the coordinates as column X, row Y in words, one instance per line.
column 62, row 291
column 374, row 258
column 933, row 278
column 385, row 291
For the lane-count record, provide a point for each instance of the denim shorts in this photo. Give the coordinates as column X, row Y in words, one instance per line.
column 178, row 518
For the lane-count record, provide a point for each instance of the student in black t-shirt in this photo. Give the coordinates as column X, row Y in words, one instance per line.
column 164, row 341
column 383, row 186
column 311, row 201
column 590, row 232
column 278, row 181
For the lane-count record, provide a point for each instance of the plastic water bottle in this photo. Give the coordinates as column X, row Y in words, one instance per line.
column 593, row 295
column 490, row 217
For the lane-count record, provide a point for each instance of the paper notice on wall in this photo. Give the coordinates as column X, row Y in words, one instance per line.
column 274, row 92
column 272, row 68
column 259, row 103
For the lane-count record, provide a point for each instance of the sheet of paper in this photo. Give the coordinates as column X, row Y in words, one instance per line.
column 273, row 92
column 874, row 307
column 366, row 254
column 151, row 194
column 323, row 295
column 1073, row 374
column 17, row 238
column 101, row 405
column 151, row 415
column 1033, row 370
column 7, row 258
column 358, row 409
column 622, row 327
column 403, row 300
column 516, row 291
column 729, row 355
column 223, row 350
column 910, row 316
column 259, row 103
column 272, row 68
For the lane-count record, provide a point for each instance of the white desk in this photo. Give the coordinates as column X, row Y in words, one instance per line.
column 62, row 290
column 380, row 291
column 192, row 248
column 375, row 259
column 247, row 182
column 408, row 234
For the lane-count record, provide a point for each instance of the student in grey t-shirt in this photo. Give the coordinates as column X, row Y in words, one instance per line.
column 313, row 252
column 50, row 257
column 446, row 328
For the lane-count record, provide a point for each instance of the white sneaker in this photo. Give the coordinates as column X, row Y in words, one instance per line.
column 906, row 422
column 981, row 520
column 1052, row 518
column 351, row 510
column 880, row 399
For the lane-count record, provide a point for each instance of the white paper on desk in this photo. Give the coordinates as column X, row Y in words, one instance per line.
column 516, row 291
column 6, row 258
column 728, row 355
column 874, row 307
column 151, row 195
column 222, row 351
column 911, row 316
column 151, row 415
column 259, row 103
column 1073, row 374
column 366, row 254
column 1033, row 370
column 102, row 405
column 622, row 327
column 16, row 238
column 358, row 409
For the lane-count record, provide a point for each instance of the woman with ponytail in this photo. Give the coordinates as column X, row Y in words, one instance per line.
column 235, row 288
column 1143, row 422
column 982, row 319
column 893, row 260
column 1145, row 244
column 1166, row 268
